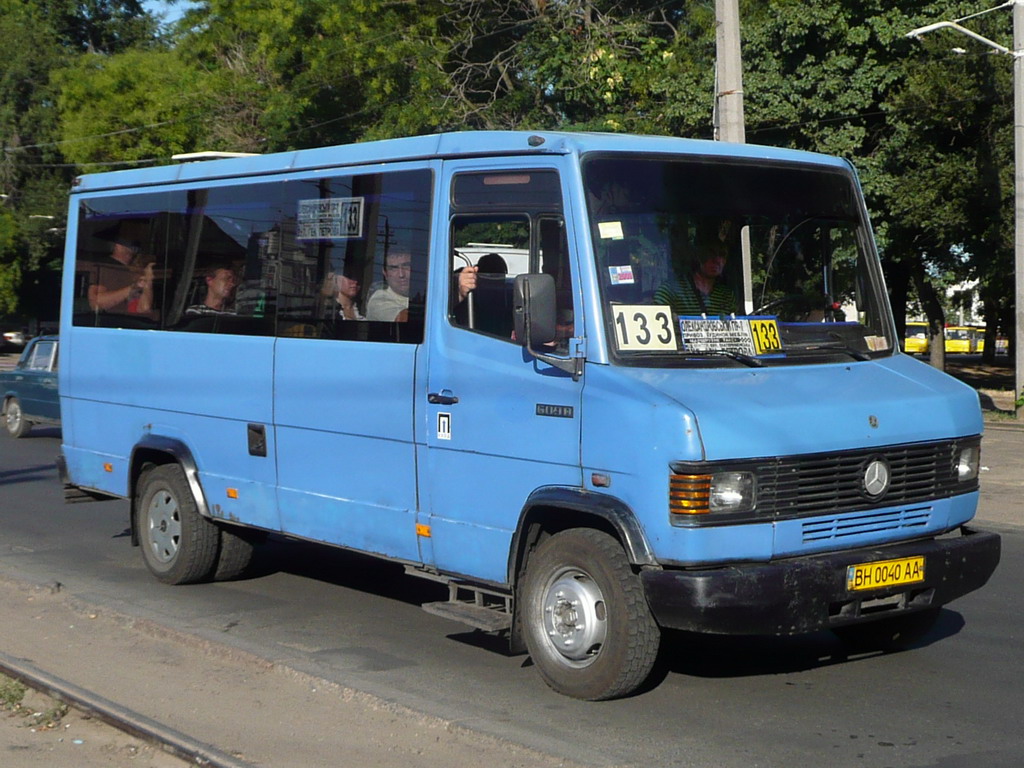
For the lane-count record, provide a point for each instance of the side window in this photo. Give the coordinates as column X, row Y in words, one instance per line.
column 121, row 274
column 42, row 354
column 506, row 224
column 497, row 248
column 363, row 242
column 341, row 257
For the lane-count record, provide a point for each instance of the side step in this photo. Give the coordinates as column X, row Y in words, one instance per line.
column 489, row 611
column 74, row 494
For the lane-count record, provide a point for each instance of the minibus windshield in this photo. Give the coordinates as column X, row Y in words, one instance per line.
column 720, row 262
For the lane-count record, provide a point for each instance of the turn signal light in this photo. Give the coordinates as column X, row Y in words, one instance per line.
column 689, row 494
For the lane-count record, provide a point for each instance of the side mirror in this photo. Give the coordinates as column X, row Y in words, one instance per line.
column 533, row 308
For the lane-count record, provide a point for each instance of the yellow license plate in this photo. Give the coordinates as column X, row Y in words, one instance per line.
column 884, row 573
column 766, row 336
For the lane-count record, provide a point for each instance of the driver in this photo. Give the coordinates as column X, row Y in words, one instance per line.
column 702, row 291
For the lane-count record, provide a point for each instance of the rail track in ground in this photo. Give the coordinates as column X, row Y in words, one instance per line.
column 134, row 724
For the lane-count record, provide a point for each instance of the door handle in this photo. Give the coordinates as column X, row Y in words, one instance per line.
column 444, row 397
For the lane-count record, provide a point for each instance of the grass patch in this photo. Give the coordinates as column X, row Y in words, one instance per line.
column 12, row 693
column 1003, row 416
column 12, row 700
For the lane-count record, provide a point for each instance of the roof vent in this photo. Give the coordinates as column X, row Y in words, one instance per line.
column 535, row 141
column 187, row 157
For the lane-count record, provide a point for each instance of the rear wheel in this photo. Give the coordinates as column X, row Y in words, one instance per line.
column 179, row 545
column 237, row 548
column 585, row 618
column 14, row 419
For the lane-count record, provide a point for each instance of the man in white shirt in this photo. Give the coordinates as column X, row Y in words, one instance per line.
column 391, row 303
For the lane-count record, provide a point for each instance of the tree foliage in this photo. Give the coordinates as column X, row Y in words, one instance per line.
column 95, row 82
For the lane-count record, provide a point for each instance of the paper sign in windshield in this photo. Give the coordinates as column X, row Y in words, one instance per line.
column 738, row 334
column 334, row 218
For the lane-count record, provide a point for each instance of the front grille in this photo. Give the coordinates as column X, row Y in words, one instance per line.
column 857, row 524
column 811, row 485
column 797, row 486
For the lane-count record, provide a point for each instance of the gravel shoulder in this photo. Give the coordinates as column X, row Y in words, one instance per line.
column 260, row 712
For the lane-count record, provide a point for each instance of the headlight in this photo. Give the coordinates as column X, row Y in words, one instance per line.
column 733, row 492
column 967, row 463
column 707, row 494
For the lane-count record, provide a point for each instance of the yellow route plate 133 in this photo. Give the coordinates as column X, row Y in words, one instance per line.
column 884, row 573
column 766, row 336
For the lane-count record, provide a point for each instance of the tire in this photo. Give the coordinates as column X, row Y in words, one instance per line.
column 179, row 545
column 237, row 547
column 14, row 419
column 585, row 619
column 892, row 634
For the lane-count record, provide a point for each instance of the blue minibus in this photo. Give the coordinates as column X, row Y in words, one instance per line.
column 599, row 385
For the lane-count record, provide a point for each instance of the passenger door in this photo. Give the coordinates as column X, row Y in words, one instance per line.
column 498, row 423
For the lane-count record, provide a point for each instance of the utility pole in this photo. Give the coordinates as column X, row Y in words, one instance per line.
column 1018, row 176
column 1018, row 154
column 728, row 118
column 728, row 73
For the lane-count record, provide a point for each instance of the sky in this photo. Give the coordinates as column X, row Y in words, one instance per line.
column 169, row 11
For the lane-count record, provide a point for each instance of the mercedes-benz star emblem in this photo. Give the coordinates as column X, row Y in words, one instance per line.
column 876, row 478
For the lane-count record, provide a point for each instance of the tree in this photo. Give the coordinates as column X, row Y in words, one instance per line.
column 40, row 38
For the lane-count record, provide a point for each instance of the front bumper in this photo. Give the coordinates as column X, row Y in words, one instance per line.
column 806, row 594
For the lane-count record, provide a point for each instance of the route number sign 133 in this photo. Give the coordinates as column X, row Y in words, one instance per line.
column 641, row 327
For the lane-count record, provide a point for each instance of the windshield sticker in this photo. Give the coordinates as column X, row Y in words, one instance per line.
column 610, row 230
column 621, row 275
column 877, row 343
column 644, row 328
column 335, row 218
column 747, row 336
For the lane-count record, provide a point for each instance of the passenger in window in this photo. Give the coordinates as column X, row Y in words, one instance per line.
column 700, row 290
column 221, row 283
column 123, row 282
column 344, row 290
column 391, row 303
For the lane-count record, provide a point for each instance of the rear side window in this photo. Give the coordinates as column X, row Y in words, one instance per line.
column 315, row 258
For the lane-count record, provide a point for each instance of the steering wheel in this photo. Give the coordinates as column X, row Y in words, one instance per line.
column 801, row 304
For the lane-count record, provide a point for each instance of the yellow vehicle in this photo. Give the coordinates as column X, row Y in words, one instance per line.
column 978, row 338
column 915, row 338
column 959, row 339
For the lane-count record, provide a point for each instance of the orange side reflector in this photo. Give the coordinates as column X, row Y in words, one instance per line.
column 688, row 494
column 232, row 493
column 108, row 467
column 423, row 530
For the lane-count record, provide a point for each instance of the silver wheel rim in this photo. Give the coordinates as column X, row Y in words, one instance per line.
column 164, row 523
column 13, row 417
column 574, row 617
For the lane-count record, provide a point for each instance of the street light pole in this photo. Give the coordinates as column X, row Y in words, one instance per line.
column 1018, row 172
column 1018, row 180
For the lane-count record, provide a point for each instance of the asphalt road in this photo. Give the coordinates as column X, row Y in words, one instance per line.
column 953, row 701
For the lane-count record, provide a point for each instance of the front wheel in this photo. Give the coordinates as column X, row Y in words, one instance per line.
column 179, row 545
column 585, row 618
column 14, row 419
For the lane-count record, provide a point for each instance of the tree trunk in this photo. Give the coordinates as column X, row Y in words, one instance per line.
column 936, row 319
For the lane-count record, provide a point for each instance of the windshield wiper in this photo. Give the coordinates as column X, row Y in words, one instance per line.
column 739, row 357
column 853, row 352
